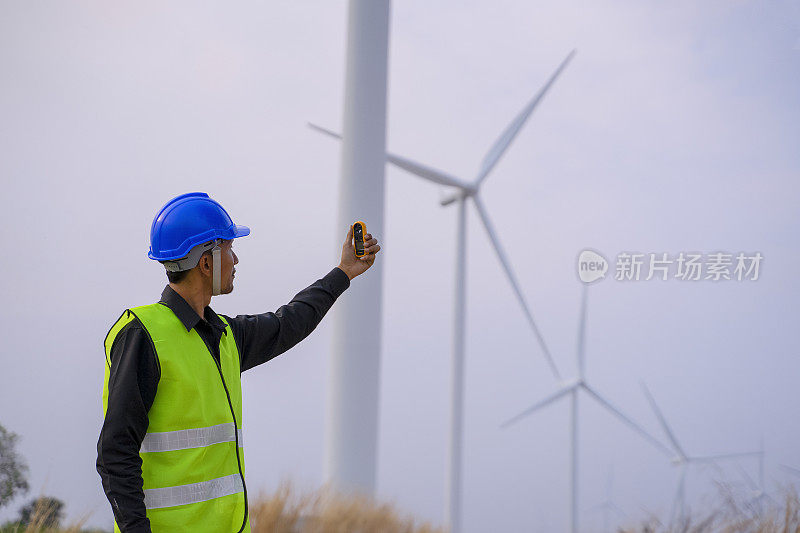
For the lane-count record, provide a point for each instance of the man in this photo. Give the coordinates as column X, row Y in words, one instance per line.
column 170, row 452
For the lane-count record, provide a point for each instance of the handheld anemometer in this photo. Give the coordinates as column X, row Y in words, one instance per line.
column 359, row 230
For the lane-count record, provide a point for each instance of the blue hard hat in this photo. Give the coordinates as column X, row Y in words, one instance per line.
column 186, row 221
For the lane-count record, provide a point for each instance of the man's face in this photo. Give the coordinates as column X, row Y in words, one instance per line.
column 229, row 261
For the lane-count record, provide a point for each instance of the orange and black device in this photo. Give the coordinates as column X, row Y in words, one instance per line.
column 359, row 230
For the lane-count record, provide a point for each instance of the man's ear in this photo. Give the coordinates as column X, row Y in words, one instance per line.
column 204, row 265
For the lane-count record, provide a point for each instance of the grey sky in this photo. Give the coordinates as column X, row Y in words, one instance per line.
column 674, row 129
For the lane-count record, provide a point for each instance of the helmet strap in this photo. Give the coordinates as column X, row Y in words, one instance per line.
column 216, row 274
column 191, row 260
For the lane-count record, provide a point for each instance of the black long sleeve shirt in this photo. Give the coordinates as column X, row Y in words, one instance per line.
column 134, row 377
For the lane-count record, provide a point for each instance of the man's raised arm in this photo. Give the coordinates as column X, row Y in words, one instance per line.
column 264, row 336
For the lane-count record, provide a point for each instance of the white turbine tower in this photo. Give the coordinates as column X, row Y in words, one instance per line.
column 572, row 388
column 351, row 425
column 471, row 189
column 683, row 460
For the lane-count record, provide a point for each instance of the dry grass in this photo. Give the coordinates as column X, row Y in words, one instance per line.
column 735, row 514
column 44, row 520
column 285, row 511
column 325, row 511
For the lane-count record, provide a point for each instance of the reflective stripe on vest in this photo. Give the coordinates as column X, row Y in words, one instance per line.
column 193, row 492
column 183, row 439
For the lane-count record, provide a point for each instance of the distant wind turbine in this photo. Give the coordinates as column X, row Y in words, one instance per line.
column 608, row 506
column 471, row 189
column 683, row 460
column 572, row 388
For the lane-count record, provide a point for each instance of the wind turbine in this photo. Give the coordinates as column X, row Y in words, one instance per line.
column 683, row 460
column 471, row 189
column 608, row 506
column 572, row 388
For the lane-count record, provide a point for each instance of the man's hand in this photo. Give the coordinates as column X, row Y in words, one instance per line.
column 352, row 265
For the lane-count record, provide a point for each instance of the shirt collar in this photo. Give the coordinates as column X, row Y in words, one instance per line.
column 188, row 316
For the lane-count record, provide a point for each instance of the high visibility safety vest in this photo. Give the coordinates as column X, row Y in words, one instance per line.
column 192, row 454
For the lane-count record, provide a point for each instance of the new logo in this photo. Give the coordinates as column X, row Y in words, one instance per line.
column 591, row 266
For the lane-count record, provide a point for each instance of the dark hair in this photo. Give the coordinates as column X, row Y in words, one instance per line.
column 177, row 277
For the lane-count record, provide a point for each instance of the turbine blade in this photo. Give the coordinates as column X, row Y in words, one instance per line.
column 714, row 464
column 749, row 480
column 510, row 274
column 535, row 407
column 504, row 141
column 791, row 469
column 582, row 333
column 663, row 422
column 326, row 131
column 418, row 169
column 714, row 458
column 627, row 420
column 426, row 172
column 449, row 198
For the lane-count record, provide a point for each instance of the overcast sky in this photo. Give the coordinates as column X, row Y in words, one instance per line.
column 674, row 129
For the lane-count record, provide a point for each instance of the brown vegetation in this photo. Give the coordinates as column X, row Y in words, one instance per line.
column 325, row 511
column 43, row 516
column 735, row 514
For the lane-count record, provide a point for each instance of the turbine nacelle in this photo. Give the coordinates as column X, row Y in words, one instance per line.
column 574, row 383
column 462, row 192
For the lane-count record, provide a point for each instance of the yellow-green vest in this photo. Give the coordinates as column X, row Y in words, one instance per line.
column 192, row 468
